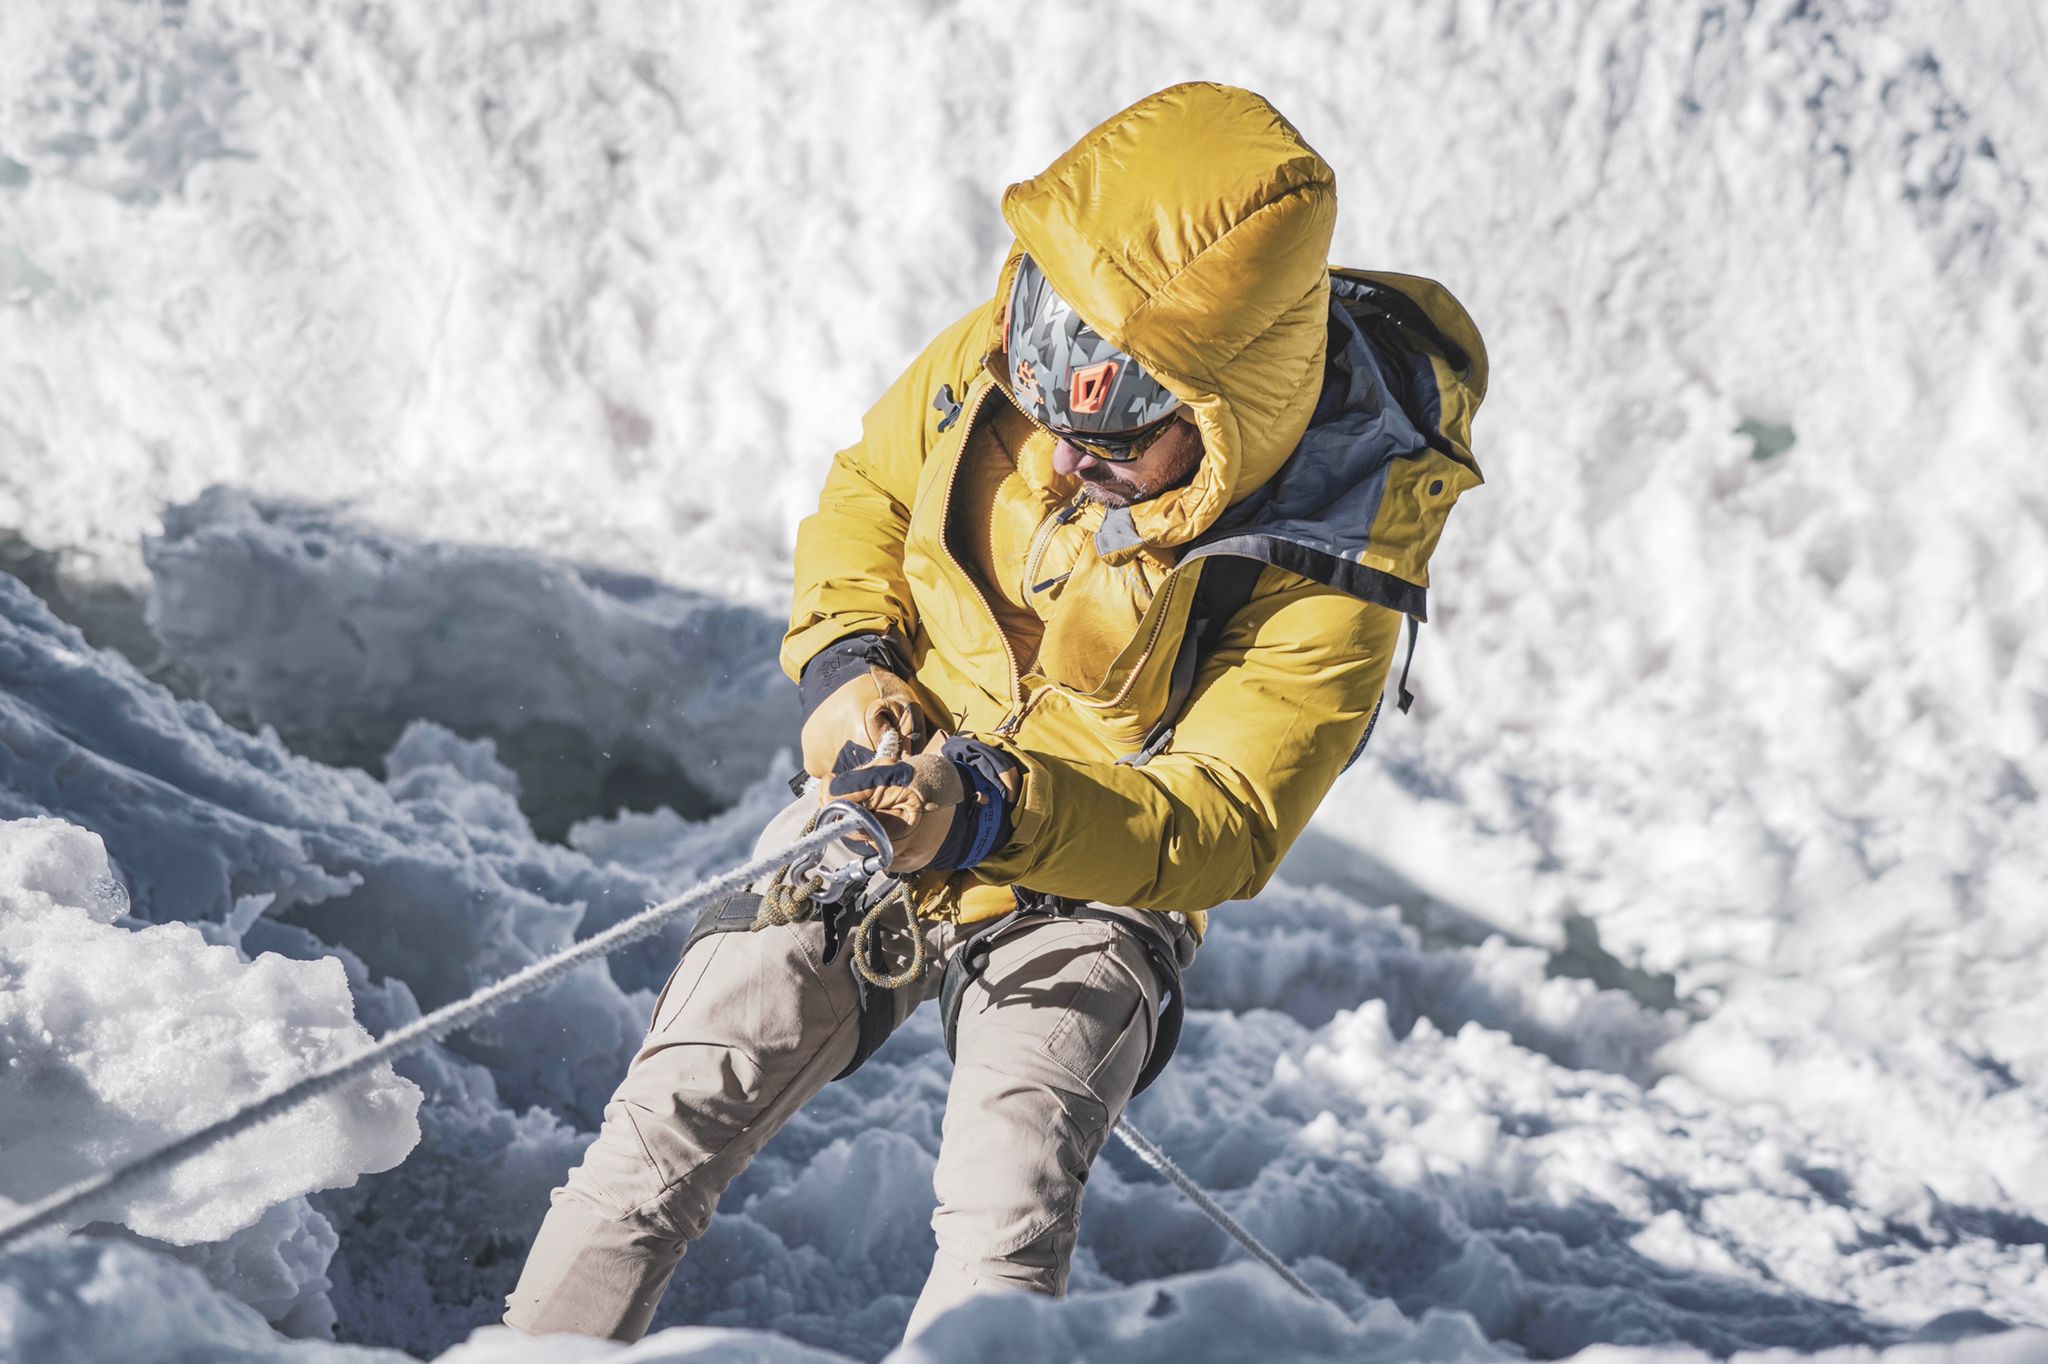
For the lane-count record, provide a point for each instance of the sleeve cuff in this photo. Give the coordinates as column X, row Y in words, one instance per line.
column 843, row 659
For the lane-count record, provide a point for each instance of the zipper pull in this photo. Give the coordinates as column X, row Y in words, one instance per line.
column 1065, row 514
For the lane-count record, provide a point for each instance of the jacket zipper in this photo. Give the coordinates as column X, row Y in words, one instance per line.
column 1008, row 725
column 1042, row 541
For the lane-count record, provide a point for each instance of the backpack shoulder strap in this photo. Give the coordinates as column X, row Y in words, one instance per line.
column 1226, row 584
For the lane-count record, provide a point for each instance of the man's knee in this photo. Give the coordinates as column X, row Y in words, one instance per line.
column 1051, row 1037
column 592, row 1271
column 1010, row 1211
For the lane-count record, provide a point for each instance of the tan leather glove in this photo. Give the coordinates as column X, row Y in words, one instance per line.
column 946, row 808
column 851, row 701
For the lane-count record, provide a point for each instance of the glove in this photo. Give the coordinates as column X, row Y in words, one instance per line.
column 944, row 810
column 852, row 692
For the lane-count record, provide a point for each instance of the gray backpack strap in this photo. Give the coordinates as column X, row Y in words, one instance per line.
column 1226, row 584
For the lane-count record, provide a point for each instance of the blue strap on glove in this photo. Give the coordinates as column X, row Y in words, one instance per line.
column 966, row 779
column 983, row 823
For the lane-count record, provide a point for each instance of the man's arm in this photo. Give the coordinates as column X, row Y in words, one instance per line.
column 1275, row 713
column 849, row 554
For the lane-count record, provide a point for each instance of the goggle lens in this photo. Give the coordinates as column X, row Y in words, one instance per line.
column 1116, row 449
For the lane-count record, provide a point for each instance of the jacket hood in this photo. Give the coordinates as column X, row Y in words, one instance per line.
column 1360, row 503
column 1192, row 231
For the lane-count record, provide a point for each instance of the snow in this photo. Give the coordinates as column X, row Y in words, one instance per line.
column 443, row 385
column 115, row 1041
column 104, row 1300
column 285, row 618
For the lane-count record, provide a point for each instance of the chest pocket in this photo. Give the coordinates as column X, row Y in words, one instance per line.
column 1094, row 620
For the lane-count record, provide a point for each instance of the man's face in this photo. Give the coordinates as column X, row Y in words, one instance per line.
column 1168, row 462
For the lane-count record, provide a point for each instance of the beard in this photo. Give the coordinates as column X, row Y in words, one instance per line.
column 1170, row 463
column 1104, row 487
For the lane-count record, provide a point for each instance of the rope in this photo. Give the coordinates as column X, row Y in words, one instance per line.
column 793, row 900
column 788, row 902
column 450, row 1018
column 413, row 1036
column 1160, row 1161
column 863, row 944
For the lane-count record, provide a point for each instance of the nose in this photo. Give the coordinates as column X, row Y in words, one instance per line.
column 1071, row 459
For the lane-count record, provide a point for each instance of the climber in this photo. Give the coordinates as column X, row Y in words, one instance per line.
column 1090, row 618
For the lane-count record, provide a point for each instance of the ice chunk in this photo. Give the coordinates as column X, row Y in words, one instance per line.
column 277, row 1265
column 117, row 1041
column 199, row 815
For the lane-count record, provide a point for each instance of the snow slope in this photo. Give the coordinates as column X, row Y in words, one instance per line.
column 515, row 339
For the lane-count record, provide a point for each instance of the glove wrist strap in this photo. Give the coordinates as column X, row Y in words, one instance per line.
column 982, row 823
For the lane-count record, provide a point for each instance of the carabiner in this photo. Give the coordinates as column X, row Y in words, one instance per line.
column 869, row 826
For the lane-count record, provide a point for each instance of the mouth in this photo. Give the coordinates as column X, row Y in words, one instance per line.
column 1107, row 487
column 1105, row 474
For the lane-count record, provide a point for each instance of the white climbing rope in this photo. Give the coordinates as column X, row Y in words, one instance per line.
column 1149, row 1152
column 449, row 1018
column 67, row 1202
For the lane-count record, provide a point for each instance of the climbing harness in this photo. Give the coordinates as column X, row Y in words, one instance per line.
column 797, row 896
column 805, row 885
column 804, row 882
column 969, row 964
column 726, row 905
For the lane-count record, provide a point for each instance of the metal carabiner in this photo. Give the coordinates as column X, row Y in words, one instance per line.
column 869, row 826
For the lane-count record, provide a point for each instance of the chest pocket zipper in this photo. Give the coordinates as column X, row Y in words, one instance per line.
column 1042, row 542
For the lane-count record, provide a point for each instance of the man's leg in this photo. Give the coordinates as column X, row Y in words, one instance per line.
column 1050, row 1045
column 749, row 1027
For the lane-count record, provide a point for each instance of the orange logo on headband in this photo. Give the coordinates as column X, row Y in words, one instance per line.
column 1090, row 388
column 1027, row 379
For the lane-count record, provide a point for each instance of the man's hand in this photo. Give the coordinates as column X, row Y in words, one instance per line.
column 944, row 810
column 853, row 697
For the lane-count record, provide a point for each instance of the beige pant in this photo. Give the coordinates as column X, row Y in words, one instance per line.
column 752, row 1025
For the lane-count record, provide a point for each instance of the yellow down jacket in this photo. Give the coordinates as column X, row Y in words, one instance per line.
column 1191, row 230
